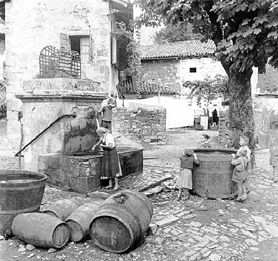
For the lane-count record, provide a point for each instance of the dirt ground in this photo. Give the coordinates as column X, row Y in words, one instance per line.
column 164, row 158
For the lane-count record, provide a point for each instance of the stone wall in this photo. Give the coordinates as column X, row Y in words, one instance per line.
column 143, row 125
column 172, row 73
column 162, row 72
column 44, row 21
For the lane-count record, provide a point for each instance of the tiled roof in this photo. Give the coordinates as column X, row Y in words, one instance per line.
column 190, row 48
column 141, row 87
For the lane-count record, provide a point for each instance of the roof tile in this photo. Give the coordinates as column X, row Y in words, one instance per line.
column 190, row 48
column 141, row 87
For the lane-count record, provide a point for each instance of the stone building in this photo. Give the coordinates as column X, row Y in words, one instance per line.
column 171, row 64
column 77, row 25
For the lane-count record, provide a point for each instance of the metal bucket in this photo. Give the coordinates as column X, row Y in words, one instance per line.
column 20, row 191
column 213, row 177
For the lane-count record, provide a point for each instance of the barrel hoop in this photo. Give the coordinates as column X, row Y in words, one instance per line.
column 128, row 212
column 22, row 188
column 18, row 211
column 143, row 201
column 103, row 212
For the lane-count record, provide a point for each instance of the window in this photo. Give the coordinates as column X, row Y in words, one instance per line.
column 80, row 44
column 192, row 69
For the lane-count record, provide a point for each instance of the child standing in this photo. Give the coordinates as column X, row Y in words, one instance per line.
column 106, row 113
column 240, row 174
column 204, row 142
column 243, row 142
column 187, row 161
column 274, row 159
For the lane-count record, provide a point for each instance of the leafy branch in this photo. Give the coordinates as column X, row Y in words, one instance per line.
column 208, row 89
column 125, row 38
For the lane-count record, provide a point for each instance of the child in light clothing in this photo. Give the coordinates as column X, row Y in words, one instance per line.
column 204, row 142
column 240, row 174
column 243, row 142
column 273, row 150
column 187, row 161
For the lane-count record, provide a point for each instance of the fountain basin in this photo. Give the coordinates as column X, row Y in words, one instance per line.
column 81, row 172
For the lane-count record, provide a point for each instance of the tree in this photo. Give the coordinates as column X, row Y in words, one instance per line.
column 245, row 33
column 175, row 33
column 208, row 89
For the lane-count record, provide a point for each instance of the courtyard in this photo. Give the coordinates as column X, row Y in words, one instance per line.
column 196, row 229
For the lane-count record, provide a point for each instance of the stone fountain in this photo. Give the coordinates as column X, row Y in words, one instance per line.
column 59, row 126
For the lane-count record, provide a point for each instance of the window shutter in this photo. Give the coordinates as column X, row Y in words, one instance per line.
column 64, row 42
column 114, row 50
column 85, row 49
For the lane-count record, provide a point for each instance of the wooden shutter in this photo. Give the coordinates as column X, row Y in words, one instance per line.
column 64, row 42
column 114, row 50
column 85, row 49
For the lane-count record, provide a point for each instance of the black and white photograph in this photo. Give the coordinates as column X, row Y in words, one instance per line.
column 139, row 130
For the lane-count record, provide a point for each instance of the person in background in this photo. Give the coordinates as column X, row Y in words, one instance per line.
column 204, row 142
column 187, row 161
column 110, row 166
column 240, row 174
column 106, row 112
column 243, row 142
column 273, row 160
column 215, row 118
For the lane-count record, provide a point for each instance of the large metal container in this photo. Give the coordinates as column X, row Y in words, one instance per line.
column 20, row 191
column 213, row 177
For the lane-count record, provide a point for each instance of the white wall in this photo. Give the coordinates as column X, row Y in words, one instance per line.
column 178, row 113
column 204, row 67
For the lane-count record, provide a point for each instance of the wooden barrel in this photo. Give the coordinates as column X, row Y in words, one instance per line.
column 20, row 191
column 63, row 208
column 80, row 219
column 41, row 230
column 121, row 221
column 213, row 177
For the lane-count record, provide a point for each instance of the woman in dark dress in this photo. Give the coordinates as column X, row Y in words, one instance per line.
column 110, row 167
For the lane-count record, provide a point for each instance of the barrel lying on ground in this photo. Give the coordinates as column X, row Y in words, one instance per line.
column 20, row 191
column 63, row 208
column 121, row 221
column 213, row 177
column 79, row 221
column 41, row 230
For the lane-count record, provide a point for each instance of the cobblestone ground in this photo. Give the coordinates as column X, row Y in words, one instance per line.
column 197, row 229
